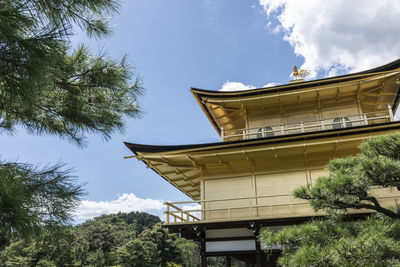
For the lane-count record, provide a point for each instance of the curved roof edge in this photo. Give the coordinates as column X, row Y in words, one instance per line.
column 141, row 148
column 298, row 85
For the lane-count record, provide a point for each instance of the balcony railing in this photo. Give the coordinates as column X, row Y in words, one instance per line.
column 256, row 207
column 192, row 211
column 309, row 126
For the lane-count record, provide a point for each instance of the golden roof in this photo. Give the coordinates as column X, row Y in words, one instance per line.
column 375, row 89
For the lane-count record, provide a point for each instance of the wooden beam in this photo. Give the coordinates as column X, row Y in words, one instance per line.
column 377, row 102
column 192, row 190
column 182, row 178
column 371, row 90
column 386, row 93
column 175, row 172
column 163, row 160
column 220, row 105
column 338, row 93
column 195, row 164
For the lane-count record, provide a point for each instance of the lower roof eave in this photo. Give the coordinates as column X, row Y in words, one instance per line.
column 173, row 149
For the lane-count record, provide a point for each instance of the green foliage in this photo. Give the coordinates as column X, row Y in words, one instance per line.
column 109, row 234
column 138, row 253
column 32, row 198
column 352, row 183
column 47, row 87
column 372, row 242
column 166, row 250
column 108, row 240
column 188, row 251
column 351, row 180
column 138, row 221
column 51, row 248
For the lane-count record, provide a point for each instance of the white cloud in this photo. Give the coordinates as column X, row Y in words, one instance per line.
column 236, row 86
column 340, row 36
column 239, row 86
column 124, row 203
column 271, row 84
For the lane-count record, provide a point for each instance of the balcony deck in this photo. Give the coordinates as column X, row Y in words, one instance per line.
column 308, row 126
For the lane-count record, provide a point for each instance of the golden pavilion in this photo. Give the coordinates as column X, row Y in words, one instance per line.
column 273, row 140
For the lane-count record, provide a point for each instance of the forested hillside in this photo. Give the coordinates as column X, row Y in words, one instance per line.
column 123, row 239
column 133, row 239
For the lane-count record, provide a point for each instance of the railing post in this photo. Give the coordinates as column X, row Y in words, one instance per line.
column 302, row 127
column 244, row 134
column 222, row 134
column 322, row 125
column 365, row 119
column 390, row 112
column 251, row 207
column 166, row 203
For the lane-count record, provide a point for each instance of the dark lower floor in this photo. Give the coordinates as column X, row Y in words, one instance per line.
column 244, row 259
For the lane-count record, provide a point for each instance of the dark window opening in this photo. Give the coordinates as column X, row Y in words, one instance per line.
column 265, row 132
column 341, row 122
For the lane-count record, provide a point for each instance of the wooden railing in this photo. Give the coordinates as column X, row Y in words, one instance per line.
column 175, row 214
column 309, row 126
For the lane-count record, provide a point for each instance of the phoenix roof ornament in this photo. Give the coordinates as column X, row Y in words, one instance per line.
column 300, row 74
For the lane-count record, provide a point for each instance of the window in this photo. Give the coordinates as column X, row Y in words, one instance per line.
column 265, row 132
column 340, row 122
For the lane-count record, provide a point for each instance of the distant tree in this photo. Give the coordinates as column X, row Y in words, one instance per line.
column 51, row 248
column 352, row 183
column 47, row 87
column 96, row 259
column 165, row 244
column 137, row 253
column 138, row 220
column 189, row 252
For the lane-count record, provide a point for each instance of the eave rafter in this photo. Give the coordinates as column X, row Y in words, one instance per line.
column 382, row 93
column 337, row 93
column 194, row 163
column 184, row 178
column 250, row 160
column 182, row 173
column 174, row 171
column 318, row 99
column 377, row 102
column 215, row 106
column 365, row 93
column 221, row 162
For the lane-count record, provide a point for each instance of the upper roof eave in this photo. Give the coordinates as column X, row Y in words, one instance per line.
column 200, row 93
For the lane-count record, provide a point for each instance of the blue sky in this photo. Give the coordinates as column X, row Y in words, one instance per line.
column 179, row 44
